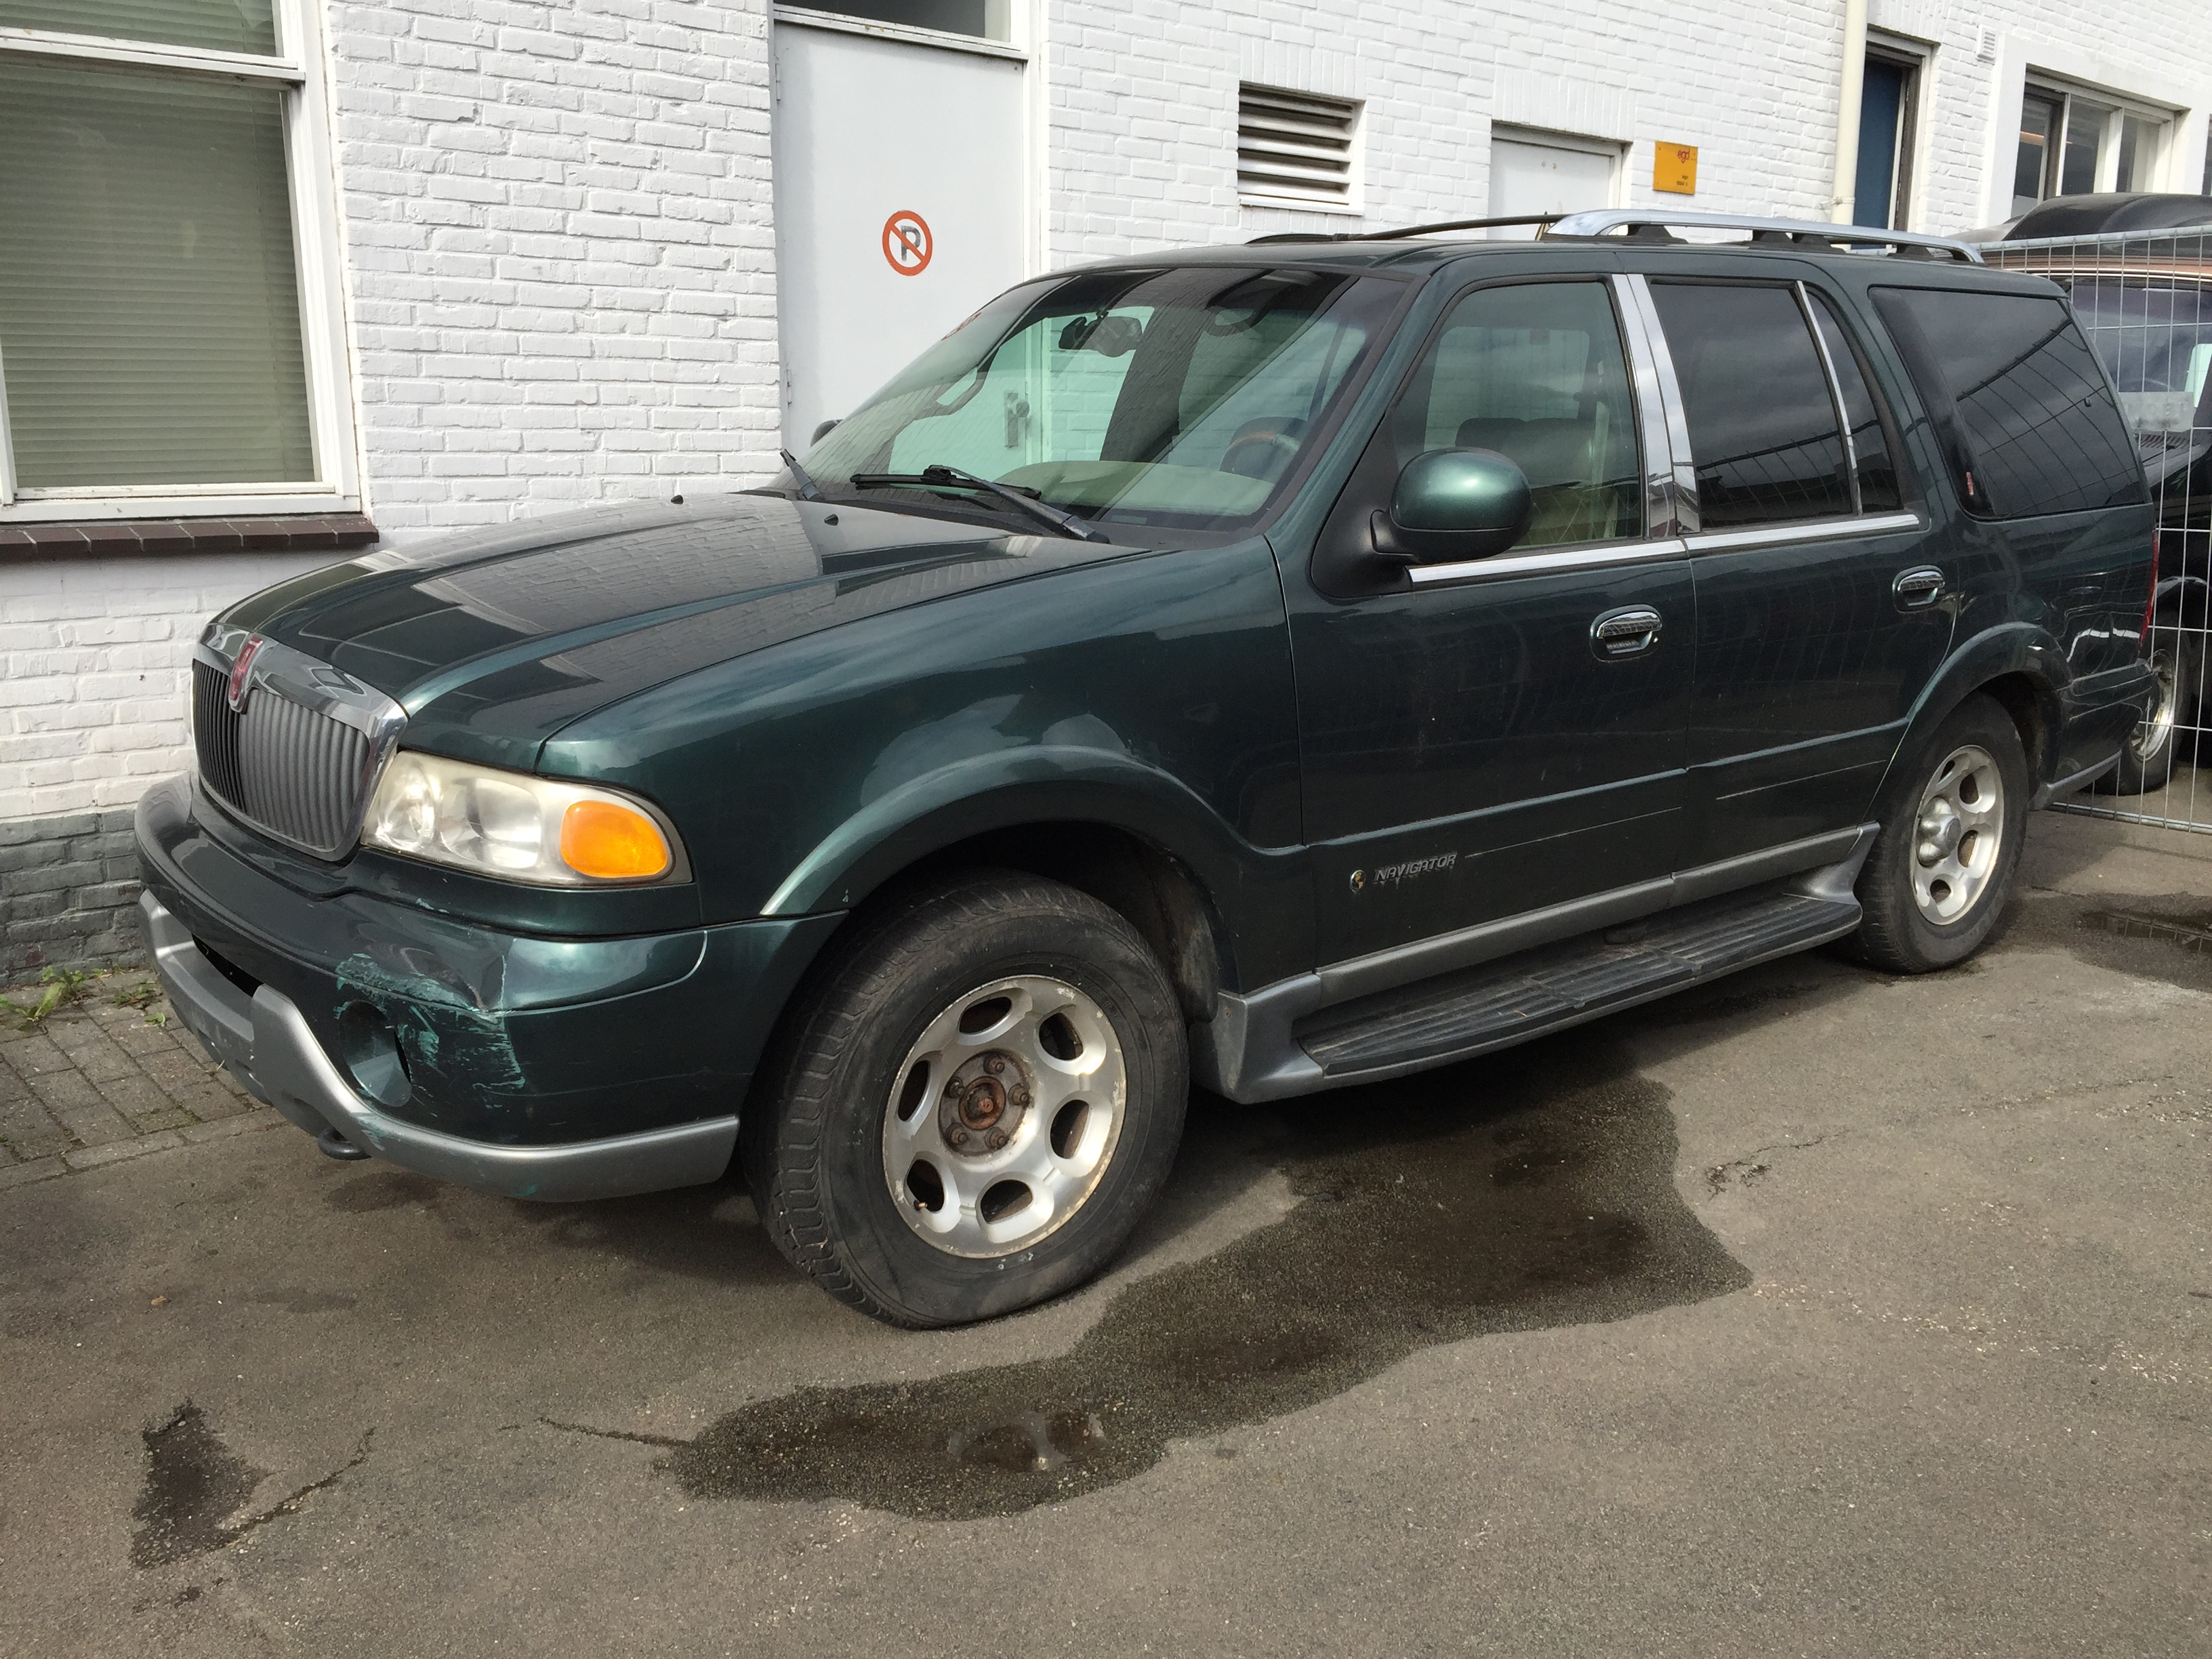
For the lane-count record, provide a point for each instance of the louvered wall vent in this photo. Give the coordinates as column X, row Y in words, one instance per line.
column 1295, row 147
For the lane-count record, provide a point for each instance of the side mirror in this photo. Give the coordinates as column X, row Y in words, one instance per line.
column 1454, row 504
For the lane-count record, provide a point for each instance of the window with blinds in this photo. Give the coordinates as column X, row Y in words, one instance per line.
column 1296, row 148
column 150, row 305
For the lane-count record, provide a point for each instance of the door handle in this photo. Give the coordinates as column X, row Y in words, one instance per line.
column 1627, row 632
column 1917, row 588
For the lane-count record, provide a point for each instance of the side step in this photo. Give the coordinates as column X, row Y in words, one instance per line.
column 1500, row 1003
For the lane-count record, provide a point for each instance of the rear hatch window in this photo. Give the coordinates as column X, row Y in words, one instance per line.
column 2027, row 416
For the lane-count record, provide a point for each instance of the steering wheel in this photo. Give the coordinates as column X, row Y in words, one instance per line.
column 1261, row 451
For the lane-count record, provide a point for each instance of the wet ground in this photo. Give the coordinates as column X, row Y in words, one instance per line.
column 1815, row 1311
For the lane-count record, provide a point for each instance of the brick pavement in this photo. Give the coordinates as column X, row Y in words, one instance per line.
column 99, row 1080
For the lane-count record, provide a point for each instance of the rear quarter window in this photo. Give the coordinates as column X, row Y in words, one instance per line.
column 2033, row 425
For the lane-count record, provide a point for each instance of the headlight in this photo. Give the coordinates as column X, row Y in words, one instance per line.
column 516, row 827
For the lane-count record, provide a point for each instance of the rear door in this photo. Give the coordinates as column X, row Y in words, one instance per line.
column 1822, row 585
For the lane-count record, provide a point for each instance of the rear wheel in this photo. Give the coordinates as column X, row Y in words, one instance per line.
column 979, row 1100
column 1937, row 879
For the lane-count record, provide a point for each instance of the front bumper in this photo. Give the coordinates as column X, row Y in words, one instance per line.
column 533, row 1065
column 264, row 1042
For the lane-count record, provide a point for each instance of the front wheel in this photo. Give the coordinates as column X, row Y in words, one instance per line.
column 1952, row 825
column 979, row 1099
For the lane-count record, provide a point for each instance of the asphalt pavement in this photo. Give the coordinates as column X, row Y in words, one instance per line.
column 1815, row 1311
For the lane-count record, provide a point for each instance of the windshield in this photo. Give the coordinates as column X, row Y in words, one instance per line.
column 2156, row 339
column 1180, row 399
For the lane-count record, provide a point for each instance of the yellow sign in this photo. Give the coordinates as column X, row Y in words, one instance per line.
column 1674, row 169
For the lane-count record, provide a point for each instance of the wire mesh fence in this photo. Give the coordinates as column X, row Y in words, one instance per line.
column 2145, row 301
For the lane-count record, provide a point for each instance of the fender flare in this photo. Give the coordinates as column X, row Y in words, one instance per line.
column 2022, row 648
column 1039, row 784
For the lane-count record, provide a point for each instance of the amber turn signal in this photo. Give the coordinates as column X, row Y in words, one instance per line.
column 613, row 842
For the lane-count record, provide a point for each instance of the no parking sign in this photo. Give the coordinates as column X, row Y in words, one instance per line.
column 908, row 243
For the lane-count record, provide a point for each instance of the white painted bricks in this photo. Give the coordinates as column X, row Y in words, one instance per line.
column 94, row 664
column 559, row 250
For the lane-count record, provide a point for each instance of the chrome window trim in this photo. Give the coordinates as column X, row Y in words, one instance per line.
column 1551, row 561
column 1687, row 519
column 1815, row 530
column 317, row 687
column 1659, row 501
column 1835, row 396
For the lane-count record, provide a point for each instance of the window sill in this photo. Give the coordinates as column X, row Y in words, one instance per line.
column 112, row 539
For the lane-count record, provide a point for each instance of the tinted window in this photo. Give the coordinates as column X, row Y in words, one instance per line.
column 1762, row 423
column 1535, row 373
column 1870, row 443
column 2033, row 425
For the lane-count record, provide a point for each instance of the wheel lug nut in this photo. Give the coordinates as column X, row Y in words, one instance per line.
column 994, row 1065
column 995, row 1139
column 1020, row 1097
column 957, row 1137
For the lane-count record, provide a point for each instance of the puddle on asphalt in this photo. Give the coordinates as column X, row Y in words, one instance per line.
column 2191, row 930
column 193, row 1481
column 2166, row 937
column 1529, row 1190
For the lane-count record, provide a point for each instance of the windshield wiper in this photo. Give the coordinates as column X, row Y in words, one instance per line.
column 951, row 477
column 808, row 490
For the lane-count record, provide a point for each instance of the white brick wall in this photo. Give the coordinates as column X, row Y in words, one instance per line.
column 94, row 672
column 558, row 245
column 559, row 250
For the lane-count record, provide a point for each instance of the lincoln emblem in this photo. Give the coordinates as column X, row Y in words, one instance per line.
column 240, row 670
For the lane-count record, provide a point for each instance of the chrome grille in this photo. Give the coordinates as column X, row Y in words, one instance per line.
column 214, row 732
column 297, row 771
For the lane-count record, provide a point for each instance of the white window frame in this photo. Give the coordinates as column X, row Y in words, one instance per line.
column 297, row 70
column 2147, row 91
column 2117, row 109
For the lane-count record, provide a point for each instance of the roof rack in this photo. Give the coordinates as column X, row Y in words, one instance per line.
column 1792, row 233
column 1644, row 225
column 1408, row 230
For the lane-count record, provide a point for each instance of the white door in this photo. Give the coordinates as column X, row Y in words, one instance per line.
column 1529, row 176
column 900, row 207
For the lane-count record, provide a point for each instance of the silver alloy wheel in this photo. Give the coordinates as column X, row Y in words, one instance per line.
column 2152, row 734
column 1958, row 833
column 1004, row 1116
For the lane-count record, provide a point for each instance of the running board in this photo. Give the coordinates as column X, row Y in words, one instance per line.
column 1488, row 1007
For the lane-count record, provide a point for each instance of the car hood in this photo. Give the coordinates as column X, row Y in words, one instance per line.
column 498, row 639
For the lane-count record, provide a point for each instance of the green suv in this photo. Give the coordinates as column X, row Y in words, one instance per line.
column 1269, row 667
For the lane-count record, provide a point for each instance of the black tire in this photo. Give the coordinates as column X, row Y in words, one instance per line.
column 814, row 1138
column 2156, row 746
column 1896, row 933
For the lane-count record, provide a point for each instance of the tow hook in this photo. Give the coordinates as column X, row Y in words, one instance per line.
column 335, row 1145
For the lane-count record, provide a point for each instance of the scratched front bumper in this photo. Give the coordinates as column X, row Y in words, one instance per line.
column 537, row 1067
column 263, row 1042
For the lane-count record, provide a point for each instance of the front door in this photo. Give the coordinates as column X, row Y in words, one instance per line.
column 1822, row 592
column 1475, row 744
column 900, row 206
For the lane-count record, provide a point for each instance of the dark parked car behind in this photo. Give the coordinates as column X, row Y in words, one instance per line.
column 2139, row 271
column 1273, row 667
